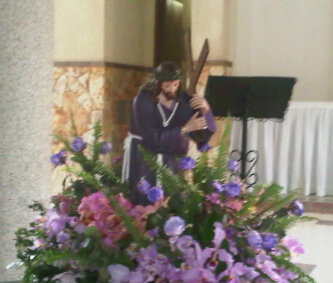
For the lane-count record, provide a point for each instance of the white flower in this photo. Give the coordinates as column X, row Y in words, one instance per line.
column 118, row 272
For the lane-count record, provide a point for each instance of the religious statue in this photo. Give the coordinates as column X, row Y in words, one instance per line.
column 164, row 118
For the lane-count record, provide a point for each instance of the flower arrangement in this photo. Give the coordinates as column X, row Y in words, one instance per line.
column 211, row 228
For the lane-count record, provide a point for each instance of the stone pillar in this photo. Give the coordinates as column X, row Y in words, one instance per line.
column 25, row 114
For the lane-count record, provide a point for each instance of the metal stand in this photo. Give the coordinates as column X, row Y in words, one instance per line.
column 246, row 157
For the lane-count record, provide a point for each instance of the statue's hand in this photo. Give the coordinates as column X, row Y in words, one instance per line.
column 200, row 103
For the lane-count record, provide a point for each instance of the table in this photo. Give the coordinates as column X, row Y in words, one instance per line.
column 295, row 153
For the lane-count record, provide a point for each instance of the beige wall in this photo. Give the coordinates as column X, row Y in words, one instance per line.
column 79, row 30
column 207, row 22
column 287, row 38
column 129, row 31
column 118, row 31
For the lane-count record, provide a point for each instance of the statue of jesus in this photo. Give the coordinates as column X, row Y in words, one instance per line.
column 163, row 120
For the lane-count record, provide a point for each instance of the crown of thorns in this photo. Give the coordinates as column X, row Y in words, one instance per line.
column 167, row 72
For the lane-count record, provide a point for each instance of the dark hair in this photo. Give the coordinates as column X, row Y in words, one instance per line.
column 154, row 88
column 167, row 71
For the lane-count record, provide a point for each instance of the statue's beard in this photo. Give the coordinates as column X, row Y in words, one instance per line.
column 169, row 95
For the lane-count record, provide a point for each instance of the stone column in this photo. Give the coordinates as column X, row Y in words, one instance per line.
column 25, row 114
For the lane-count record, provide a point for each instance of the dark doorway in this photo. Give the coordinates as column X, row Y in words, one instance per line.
column 169, row 32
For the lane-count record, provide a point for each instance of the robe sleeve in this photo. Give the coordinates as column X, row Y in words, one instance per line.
column 158, row 140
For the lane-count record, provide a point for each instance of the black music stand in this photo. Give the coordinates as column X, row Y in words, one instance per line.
column 249, row 97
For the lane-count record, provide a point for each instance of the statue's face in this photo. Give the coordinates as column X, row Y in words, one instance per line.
column 169, row 89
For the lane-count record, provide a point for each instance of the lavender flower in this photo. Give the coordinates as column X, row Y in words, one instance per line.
column 143, row 186
column 183, row 243
column 62, row 237
column 218, row 186
column 118, row 272
column 232, row 189
column 297, row 207
column 80, row 228
column 73, row 221
column 187, row 163
column 106, row 147
column 254, row 239
column 206, row 147
column 55, row 222
column 155, row 194
column 59, row 158
column 174, row 226
column 233, row 165
column 219, row 234
column 269, row 241
column 78, row 144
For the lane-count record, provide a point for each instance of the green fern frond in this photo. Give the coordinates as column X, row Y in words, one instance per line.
column 65, row 142
column 172, row 183
column 277, row 204
column 108, row 176
column 271, row 192
column 283, row 224
column 73, row 126
column 88, row 177
column 221, row 159
column 97, row 146
column 303, row 277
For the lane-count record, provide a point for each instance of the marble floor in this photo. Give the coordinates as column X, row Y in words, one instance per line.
column 317, row 239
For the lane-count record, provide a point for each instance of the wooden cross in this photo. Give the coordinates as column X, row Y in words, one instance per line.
column 194, row 72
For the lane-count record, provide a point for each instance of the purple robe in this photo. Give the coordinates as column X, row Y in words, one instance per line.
column 147, row 123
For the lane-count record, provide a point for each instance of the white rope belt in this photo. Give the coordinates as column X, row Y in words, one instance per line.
column 127, row 156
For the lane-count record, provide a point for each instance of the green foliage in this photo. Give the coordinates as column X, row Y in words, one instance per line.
column 172, row 183
column 191, row 197
column 303, row 277
column 221, row 159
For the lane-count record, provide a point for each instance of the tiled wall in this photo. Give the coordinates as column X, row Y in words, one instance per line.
column 93, row 93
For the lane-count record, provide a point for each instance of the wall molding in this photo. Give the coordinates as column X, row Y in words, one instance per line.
column 102, row 64
column 225, row 63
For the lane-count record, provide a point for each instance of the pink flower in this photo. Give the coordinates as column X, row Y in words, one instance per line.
column 235, row 204
column 293, row 245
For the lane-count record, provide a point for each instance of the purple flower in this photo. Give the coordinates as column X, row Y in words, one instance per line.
column 153, row 232
column 218, row 186
column 135, row 277
column 269, row 241
column 229, row 233
column 293, row 245
column 62, row 237
column 80, row 228
column 106, row 147
column 219, row 234
column 297, row 207
column 184, row 242
column 187, row 163
column 143, row 186
column 233, row 165
column 118, row 272
column 232, row 189
column 73, row 221
column 117, row 159
column 206, row 147
column 55, row 222
column 254, row 239
column 174, row 226
column 59, row 158
column 155, row 194
column 78, row 144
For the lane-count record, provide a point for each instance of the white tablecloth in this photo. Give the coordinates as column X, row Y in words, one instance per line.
column 295, row 153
